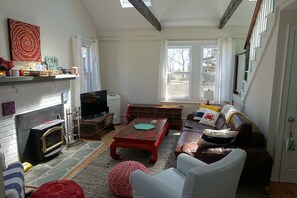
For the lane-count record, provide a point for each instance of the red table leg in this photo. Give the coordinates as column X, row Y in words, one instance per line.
column 113, row 151
column 154, row 157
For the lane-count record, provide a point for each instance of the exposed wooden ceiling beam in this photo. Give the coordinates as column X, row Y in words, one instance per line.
column 233, row 5
column 145, row 11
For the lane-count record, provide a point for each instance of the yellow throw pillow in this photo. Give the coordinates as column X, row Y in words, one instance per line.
column 211, row 107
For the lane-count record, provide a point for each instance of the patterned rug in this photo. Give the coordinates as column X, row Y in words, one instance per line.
column 93, row 178
column 61, row 165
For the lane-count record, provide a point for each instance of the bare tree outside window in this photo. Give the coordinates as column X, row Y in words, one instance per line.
column 178, row 72
column 208, row 74
column 190, row 70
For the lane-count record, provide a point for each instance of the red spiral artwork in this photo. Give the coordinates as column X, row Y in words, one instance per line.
column 24, row 40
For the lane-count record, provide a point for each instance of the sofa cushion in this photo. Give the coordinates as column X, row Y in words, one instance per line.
column 257, row 138
column 194, row 126
column 242, row 125
column 221, row 124
column 210, row 118
column 189, row 138
column 217, row 137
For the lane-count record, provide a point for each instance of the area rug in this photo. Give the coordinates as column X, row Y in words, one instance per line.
column 63, row 164
column 93, row 178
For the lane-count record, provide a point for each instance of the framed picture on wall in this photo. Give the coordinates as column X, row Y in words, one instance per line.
column 24, row 41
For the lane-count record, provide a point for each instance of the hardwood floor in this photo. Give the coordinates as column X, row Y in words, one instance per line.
column 275, row 189
column 107, row 140
column 282, row 190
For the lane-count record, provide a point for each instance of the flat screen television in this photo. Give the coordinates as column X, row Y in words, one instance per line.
column 93, row 104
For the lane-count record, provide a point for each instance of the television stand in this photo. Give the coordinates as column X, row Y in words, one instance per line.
column 90, row 127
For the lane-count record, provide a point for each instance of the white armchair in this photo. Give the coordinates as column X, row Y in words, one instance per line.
column 192, row 178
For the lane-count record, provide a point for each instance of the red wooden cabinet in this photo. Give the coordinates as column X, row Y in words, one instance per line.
column 172, row 112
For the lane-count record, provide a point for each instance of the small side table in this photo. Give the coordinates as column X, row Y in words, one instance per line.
column 89, row 127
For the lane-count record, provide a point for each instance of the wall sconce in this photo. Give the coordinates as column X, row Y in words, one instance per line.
column 208, row 95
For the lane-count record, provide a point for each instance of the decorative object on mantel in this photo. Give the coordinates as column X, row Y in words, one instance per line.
column 5, row 67
column 2, row 72
column 46, row 73
column 24, row 40
column 51, row 62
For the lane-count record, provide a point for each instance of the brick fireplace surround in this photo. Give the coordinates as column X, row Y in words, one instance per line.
column 27, row 97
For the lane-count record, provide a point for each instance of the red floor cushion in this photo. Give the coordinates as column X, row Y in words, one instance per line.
column 118, row 177
column 58, row 189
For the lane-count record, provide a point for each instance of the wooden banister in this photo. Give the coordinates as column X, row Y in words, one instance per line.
column 253, row 21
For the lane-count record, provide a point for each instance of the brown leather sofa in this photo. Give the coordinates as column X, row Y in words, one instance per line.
column 258, row 165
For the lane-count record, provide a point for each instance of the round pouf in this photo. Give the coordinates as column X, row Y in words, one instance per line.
column 58, row 189
column 118, row 177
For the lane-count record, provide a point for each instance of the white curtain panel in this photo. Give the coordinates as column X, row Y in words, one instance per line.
column 77, row 85
column 226, row 48
column 95, row 66
column 162, row 70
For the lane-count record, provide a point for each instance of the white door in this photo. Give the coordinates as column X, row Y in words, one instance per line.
column 288, row 172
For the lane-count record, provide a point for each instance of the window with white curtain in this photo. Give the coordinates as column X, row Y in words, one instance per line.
column 189, row 70
column 208, row 77
column 86, row 58
column 178, row 72
column 85, row 49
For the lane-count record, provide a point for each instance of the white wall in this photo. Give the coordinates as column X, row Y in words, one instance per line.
column 130, row 60
column 58, row 21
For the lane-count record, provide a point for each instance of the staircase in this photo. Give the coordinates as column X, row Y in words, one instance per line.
column 259, row 34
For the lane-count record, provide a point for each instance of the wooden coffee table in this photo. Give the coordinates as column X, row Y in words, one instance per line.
column 129, row 137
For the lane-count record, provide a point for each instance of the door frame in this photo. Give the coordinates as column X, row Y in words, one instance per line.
column 285, row 92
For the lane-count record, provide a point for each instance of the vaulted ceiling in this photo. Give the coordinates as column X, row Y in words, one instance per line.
column 109, row 15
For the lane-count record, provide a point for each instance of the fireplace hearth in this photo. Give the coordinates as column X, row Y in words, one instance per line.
column 28, row 137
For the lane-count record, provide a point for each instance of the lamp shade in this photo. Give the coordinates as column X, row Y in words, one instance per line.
column 208, row 95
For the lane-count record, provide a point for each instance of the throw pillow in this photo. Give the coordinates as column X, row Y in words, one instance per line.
column 211, row 107
column 217, row 137
column 199, row 114
column 210, row 118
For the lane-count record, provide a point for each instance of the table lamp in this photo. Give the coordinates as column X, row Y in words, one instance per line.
column 208, row 95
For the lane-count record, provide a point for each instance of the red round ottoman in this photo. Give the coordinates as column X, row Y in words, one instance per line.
column 118, row 177
column 58, row 189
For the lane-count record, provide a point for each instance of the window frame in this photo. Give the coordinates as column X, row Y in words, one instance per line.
column 201, row 69
column 195, row 70
column 189, row 72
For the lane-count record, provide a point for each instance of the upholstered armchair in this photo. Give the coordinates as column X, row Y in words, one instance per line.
column 13, row 178
column 192, row 178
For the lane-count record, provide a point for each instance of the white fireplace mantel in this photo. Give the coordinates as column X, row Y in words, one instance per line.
column 12, row 80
